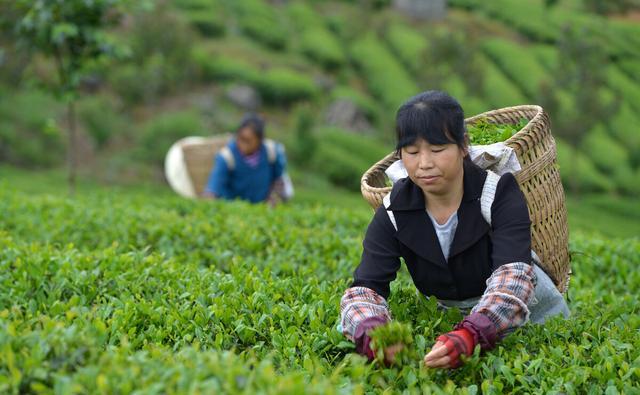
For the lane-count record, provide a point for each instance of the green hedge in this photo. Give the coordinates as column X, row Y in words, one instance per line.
column 471, row 104
column 161, row 132
column 316, row 41
column 466, row 4
column 160, row 42
column 624, row 126
column 343, row 157
column 518, row 64
column 547, row 55
column 276, row 85
column 320, row 45
column 626, row 35
column 499, row 90
column 607, row 154
column 586, row 174
column 207, row 16
column 615, row 38
column 29, row 133
column 102, row 119
column 385, row 76
column 303, row 15
column 631, row 67
column 214, row 66
column 361, row 100
column 626, row 87
column 262, row 22
column 627, row 180
column 281, row 85
column 210, row 22
column 408, row 45
column 528, row 17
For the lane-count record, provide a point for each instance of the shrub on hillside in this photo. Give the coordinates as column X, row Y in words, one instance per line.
column 631, row 67
column 530, row 18
column 304, row 142
column 407, row 44
column 160, row 43
column 207, row 16
column 500, row 92
column 547, row 55
column 364, row 102
column 210, row 23
column 343, row 156
column 385, row 76
column 626, row 87
column 161, row 132
column 302, row 15
column 470, row 102
column 466, row 4
column 320, row 45
column 627, row 35
column 213, row 66
column 607, row 154
column 623, row 125
column 577, row 169
column 146, row 81
column 280, row 85
column 316, row 41
column 101, row 119
column 29, row 134
column 518, row 64
column 261, row 21
column 627, row 180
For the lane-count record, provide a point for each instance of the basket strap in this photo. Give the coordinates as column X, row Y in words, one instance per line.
column 486, row 200
column 488, row 195
column 387, row 202
column 227, row 155
column 271, row 147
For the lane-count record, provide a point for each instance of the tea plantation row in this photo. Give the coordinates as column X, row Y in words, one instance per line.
column 117, row 294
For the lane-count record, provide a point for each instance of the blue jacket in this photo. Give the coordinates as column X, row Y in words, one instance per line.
column 243, row 181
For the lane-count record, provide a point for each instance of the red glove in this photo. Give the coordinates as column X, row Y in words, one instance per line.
column 458, row 342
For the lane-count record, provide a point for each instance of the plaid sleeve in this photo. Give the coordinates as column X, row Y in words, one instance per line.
column 509, row 290
column 358, row 304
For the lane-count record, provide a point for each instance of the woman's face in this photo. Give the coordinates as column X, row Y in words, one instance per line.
column 433, row 168
column 247, row 141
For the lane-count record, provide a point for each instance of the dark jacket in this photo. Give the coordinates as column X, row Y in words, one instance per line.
column 476, row 251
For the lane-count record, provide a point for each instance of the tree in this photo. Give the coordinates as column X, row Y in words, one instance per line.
column 73, row 33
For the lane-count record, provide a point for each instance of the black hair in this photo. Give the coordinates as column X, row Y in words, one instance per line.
column 253, row 121
column 432, row 115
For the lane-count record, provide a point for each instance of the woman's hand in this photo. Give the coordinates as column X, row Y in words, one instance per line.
column 448, row 349
column 438, row 356
column 391, row 351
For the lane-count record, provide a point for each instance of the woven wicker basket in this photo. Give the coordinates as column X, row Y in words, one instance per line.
column 189, row 163
column 539, row 180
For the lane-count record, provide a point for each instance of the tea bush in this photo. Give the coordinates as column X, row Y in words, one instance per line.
column 316, row 41
column 523, row 70
column 161, row 132
column 282, row 85
column 408, row 45
column 385, row 76
column 150, row 294
column 500, row 91
column 261, row 22
column 207, row 16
